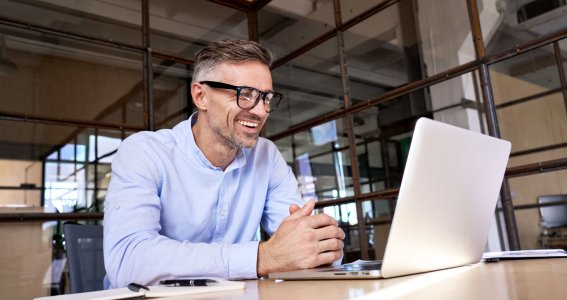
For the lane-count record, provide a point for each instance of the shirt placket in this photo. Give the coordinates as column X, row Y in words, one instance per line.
column 222, row 205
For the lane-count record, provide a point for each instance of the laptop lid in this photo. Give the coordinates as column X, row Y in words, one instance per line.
column 447, row 198
column 445, row 206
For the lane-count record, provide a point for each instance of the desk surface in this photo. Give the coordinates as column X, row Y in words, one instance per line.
column 517, row 279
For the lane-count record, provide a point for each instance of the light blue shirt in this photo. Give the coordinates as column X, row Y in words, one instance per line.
column 170, row 213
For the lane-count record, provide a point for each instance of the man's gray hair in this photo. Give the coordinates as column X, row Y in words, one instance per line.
column 234, row 51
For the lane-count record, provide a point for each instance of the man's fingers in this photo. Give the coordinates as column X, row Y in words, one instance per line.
column 320, row 220
column 328, row 257
column 305, row 211
column 329, row 232
column 330, row 245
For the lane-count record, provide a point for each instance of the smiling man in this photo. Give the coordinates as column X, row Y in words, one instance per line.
column 187, row 202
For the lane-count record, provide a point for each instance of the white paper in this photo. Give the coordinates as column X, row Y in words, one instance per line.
column 538, row 253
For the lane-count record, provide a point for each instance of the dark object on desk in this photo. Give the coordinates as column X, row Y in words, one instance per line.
column 188, row 282
column 83, row 244
column 134, row 287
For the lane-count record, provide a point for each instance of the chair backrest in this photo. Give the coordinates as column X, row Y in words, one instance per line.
column 553, row 215
column 85, row 257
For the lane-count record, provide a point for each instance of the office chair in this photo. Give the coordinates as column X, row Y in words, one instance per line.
column 553, row 222
column 553, row 215
column 85, row 257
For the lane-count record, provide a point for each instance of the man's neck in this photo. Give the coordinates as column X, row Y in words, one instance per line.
column 218, row 153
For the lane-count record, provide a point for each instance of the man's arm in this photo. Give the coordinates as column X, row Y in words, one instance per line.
column 134, row 249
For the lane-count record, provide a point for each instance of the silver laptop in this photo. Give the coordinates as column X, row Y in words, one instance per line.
column 445, row 205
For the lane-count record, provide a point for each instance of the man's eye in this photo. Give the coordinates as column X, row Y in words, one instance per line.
column 249, row 94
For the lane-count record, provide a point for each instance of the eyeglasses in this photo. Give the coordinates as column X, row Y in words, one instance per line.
column 248, row 97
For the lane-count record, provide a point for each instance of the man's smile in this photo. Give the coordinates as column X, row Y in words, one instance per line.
column 249, row 124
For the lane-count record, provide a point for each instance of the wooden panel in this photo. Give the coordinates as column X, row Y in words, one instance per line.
column 16, row 172
column 25, row 257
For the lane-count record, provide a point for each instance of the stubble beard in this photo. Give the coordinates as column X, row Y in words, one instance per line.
column 232, row 139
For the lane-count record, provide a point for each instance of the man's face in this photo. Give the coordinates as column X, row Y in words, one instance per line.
column 232, row 125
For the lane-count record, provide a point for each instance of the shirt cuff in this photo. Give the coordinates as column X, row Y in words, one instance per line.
column 243, row 260
column 338, row 262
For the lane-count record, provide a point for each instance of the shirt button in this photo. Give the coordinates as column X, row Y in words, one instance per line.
column 221, row 213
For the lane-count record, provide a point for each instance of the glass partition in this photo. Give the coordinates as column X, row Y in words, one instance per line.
column 351, row 9
column 443, row 28
column 172, row 93
column 311, row 85
column 184, row 27
column 378, row 218
column 79, row 183
column 320, row 159
column 117, row 21
column 528, row 74
column 531, row 106
column 518, row 22
column 61, row 168
column 284, row 28
column 60, row 78
column 381, row 156
column 381, row 53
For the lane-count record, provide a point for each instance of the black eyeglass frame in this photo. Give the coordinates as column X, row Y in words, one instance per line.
column 261, row 94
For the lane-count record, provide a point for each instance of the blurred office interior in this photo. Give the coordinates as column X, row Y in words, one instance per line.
column 77, row 77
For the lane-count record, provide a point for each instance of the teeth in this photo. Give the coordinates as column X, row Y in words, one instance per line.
column 248, row 124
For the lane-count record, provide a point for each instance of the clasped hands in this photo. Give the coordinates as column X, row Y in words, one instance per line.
column 302, row 241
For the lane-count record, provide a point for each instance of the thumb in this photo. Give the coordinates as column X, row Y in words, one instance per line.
column 306, row 210
column 293, row 208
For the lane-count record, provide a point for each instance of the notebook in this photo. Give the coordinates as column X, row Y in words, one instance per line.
column 445, row 205
column 153, row 292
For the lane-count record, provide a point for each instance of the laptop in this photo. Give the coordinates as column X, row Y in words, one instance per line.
column 445, row 206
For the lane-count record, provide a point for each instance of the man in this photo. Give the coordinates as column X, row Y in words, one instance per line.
column 187, row 202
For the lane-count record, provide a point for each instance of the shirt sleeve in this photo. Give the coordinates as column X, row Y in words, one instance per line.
column 134, row 249
column 282, row 192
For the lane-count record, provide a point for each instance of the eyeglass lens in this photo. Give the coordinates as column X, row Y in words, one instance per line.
column 249, row 97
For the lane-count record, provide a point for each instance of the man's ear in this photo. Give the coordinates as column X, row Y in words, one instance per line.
column 199, row 96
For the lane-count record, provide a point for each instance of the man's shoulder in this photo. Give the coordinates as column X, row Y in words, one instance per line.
column 160, row 137
column 163, row 136
column 265, row 150
column 163, row 139
column 264, row 144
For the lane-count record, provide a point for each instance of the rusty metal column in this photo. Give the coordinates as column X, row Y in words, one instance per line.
column 252, row 16
column 148, row 68
column 253, row 35
column 95, row 175
column 559, row 62
column 349, row 126
column 492, row 122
